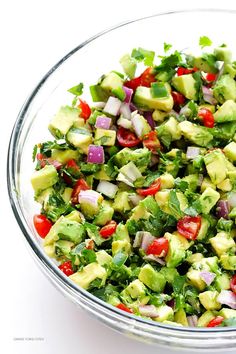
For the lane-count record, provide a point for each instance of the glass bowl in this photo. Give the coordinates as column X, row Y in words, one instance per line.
column 86, row 63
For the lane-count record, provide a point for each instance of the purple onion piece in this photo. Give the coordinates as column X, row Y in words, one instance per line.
column 171, row 303
column 232, row 199
column 192, row 320
column 103, row 122
column 148, row 117
column 222, row 209
column 207, row 277
column 147, row 239
column 89, row 196
column 148, row 311
column 208, row 95
column 152, row 257
column 112, row 106
column 96, row 154
column 228, row 298
column 192, row 152
column 125, row 111
column 135, row 198
column 133, row 107
column 128, row 93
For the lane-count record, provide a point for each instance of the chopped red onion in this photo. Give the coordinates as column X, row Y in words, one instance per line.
column 148, row 311
column 171, row 303
column 95, row 154
column 125, row 111
column 112, row 106
column 147, row 239
column 185, row 110
column 192, row 152
column 103, row 122
column 228, row 298
column 107, row 188
column 90, row 196
column 208, row 277
column 192, row 320
column 152, row 257
column 208, row 95
column 232, row 199
column 129, row 93
column 135, row 198
column 222, row 209
column 154, row 159
column 125, row 123
column 133, row 107
column 99, row 104
column 148, row 117
column 174, row 114
column 55, row 163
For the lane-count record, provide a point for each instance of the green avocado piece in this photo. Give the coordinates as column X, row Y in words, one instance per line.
column 202, row 233
column 226, row 112
column 103, row 258
column 205, row 318
column 186, row 85
column 216, row 166
column 169, row 128
column 204, row 64
column 63, row 121
column 113, row 83
column 228, row 262
column 120, row 246
column 223, row 54
column 63, row 247
column 80, row 138
column 227, row 313
column 105, row 137
column 208, row 300
column 194, row 277
column 88, row 274
column 176, row 251
column 208, row 199
column 165, row 313
column 180, row 317
column 44, row 178
column 121, row 202
column 197, row 134
column 230, row 151
column 140, row 157
column 152, row 279
column 63, row 156
column 169, row 274
column 192, row 180
column 129, row 65
column 222, row 282
column 143, row 99
column 136, row 289
column 225, row 89
column 222, row 243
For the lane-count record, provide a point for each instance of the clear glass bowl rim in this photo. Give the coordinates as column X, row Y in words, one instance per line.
column 13, row 196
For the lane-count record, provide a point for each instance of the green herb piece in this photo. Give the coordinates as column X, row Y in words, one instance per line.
column 174, row 205
column 158, row 90
column 204, row 41
column 77, row 90
column 140, row 54
column 167, row 47
column 34, row 153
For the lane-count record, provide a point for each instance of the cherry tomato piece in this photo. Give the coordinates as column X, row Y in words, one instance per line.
column 108, row 230
column 216, row 321
column 66, row 268
column 178, row 98
column 85, row 109
column 211, row 77
column 189, row 226
column 145, row 79
column 124, row 308
column 159, row 247
column 42, row 225
column 152, row 189
column 233, row 284
column 126, row 138
column 184, row 71
column 81, row 185
column 151, row 142
column 207, row 117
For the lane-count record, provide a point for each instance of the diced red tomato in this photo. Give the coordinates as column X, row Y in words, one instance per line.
column 89, row 244
column 108, row 230
column 152, row 189
column 233, row 284
column 151, row 142
column 178, row 98
column 189, row 226
column 43, row 161
column 81, row 185
column 85, row 109
column 124, row 308
column 216, row 321
column 42, row 225
column 126, row 138
column 211, row 77
column 184, row 71
column 66, row 268
column 145, row 79
column 159, row 247
column 207, row 117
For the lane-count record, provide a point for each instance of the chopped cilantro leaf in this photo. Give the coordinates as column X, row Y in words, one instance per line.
column 204, row 41
column 140, row 54
column 167, row 47
column 77, row 90
column 174, row 205
column 34, row 153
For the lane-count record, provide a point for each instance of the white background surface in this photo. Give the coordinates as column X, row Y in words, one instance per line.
column 34, row 35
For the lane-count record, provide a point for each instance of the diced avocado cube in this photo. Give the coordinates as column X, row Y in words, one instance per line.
column 103, row 258
column 63, row 247
column 121, row 233
column 129, row 65
column 121, row 202
column 207, row 183
column 136, row 289
column 230, row 151
column 43, row 197
column 66, row 195
column 195, row 279
column 120, row 246
column 140, row 157
column 167, row 181
column 139, row 212
column 88, row 207
column 176, row 251
column 208, row 300
column 222, row 282
column 195, row 257
column 225, row 89
column 204, row 64
column 151, row 278
column 113, row 83
column 197, row 134
column 180, row 317
column 230, row 69
column 226, row 112
column 170, row 128
column 225, row 186
column 202, row 233
column 75, row 215
column 80, row 138
column 159, row 116
column 140, row 125
column 44, row 178
column 228, row 262
column 169, row 274
column 63, row 156
column 101, row 174
column 128, row 174
column 186, row 85
column 192, row 180
column 88, row 274
column 208, row 263
column 143, row 99
column 165, row 313
column 104, row 216
column 227, row 313
column 162, row 199
column 222, row 243
column 216, row 166
column 50, row 250
column 223, row 54
column 205, row 319
column 105, row 137
column 63, row 121
column 208, row 199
